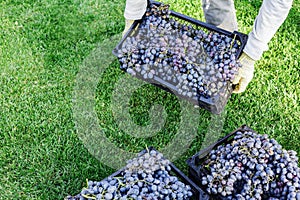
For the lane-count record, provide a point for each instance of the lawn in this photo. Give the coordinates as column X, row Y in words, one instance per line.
column 43, row 45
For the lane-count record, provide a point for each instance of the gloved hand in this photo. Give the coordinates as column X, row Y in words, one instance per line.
column 128, row 23
column 245, row 73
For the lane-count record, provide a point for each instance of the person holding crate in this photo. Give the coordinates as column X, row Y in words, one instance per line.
column 221, row 13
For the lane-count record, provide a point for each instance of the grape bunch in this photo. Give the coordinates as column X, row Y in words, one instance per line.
column 251, row 167
column 147, row 177
column 199, row 62
column 148, row 162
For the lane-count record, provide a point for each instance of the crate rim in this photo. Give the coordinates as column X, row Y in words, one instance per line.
column 242, row 36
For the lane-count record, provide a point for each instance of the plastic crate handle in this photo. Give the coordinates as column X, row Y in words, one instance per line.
column 149, row 2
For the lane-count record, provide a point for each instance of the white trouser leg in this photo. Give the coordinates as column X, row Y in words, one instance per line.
column 135, row 9
column 220, row 13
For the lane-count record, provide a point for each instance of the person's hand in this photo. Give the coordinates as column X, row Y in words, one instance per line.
column 245, row 73
column 128, row 23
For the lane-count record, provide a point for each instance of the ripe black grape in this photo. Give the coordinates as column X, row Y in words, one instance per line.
column 252, row 166
column 199, row 62
column 146, row 177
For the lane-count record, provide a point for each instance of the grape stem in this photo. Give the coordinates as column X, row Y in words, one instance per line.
column 89, row 197
column 232, row 41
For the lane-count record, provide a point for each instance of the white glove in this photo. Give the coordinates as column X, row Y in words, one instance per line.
column 245, row 73
column 128, row 23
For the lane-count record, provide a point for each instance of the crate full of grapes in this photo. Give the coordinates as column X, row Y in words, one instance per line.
column 192, row 59
column 149, row 176
column 246, row 165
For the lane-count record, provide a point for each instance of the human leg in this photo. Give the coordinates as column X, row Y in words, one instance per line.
column 220, row 13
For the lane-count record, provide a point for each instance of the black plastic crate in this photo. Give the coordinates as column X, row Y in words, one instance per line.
column 214, row 104
column 198, row 194
column 196, row 170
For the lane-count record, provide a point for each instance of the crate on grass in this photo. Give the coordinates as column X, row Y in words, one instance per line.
column 246, row 165
column 148, row 176
column 192, row 59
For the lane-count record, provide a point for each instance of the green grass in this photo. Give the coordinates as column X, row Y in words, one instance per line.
column 42, row 45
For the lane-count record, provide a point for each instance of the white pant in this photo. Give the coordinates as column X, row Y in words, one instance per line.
column 221, row 13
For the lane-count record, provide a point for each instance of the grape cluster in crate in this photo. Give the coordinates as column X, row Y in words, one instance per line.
column 199, row 62
column 146, row 177
column 248, row 166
